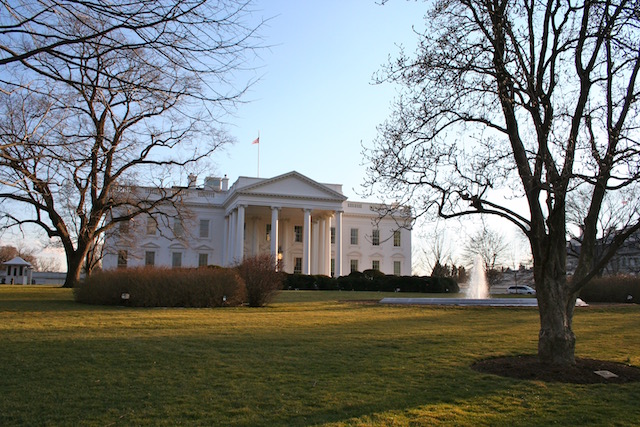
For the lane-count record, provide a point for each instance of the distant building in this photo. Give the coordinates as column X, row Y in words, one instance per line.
column 16, row 272
column 309, row 227
column 625, row 261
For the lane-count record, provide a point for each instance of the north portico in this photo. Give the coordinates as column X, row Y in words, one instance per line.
column 307, row 226
column 307, row 211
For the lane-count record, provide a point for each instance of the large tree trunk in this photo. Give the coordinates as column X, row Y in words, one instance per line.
column 556, row 340
column 75, row 260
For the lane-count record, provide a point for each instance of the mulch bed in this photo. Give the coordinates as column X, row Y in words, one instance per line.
column 528, row 367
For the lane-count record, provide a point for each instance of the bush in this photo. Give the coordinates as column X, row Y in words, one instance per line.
column 163, row 287
column 612, row 289
column 261, row 279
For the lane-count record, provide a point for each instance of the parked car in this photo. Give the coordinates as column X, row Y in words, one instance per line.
column 521, row 289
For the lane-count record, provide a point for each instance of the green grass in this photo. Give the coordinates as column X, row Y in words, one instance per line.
column 310, row 358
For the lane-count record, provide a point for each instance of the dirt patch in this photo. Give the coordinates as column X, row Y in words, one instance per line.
column 528, row 367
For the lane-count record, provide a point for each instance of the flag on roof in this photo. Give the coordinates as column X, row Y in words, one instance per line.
column 256, row 141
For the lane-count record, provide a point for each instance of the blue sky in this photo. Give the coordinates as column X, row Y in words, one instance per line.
column 315, row 104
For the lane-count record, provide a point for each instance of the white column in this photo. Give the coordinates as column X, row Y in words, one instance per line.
column 306, row 242
column 327, row 246
column 225, row 242
column 240, row 234
column 320, row 245
column 233, row 227
column 274, row 233
column 338, row 243
column 314, row 245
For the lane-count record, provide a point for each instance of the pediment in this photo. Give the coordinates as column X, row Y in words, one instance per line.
column 292, row 184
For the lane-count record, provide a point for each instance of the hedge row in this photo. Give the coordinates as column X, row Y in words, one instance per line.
column 163, row 287
column 619, row 289
column 372, row 280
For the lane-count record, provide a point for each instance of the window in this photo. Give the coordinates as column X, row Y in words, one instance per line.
column 396, row 238
column 204, row 228
column 122, row 259
column 297, row 233
column 375, row 264
column 203, row 260
column 152, row 225
column 396, row 268
column 375, row 237
column 150, row 258
column 354, row 236
column 268, row 232
column 176, row 259
column 333, row 235
column 178, row 228
column 333, row 267
column 297, row 265
column 354, row 265
column 124, row 227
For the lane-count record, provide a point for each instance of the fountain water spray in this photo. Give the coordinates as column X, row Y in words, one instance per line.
column 478, row 286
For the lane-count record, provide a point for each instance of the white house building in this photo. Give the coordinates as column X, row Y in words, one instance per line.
column 311, row 228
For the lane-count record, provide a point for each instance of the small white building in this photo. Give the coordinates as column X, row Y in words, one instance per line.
column 16, row 272
column 311, row 228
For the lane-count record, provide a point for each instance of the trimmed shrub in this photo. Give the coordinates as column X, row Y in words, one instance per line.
column 261, row 279
column 612, row 289
column 163, row 287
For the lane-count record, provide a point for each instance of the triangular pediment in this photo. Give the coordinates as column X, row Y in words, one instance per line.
column 292, row 184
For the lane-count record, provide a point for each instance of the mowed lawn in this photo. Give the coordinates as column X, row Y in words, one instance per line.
column 310, row 358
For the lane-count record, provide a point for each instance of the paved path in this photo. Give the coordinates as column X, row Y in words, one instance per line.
column 491, row 302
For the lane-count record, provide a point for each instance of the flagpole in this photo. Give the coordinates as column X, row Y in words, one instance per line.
column 258, row 154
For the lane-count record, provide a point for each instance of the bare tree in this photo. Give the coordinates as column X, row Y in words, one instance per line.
column 533, row 97
column 492, row 247
column 105, row 100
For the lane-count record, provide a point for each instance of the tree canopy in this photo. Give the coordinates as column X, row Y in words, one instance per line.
column 99, row 99
column 529, row 99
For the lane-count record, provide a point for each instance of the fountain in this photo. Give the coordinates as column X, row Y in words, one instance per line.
column 477, row 294
column 478, row 286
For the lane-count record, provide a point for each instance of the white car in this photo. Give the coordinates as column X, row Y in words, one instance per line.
column 521, row 289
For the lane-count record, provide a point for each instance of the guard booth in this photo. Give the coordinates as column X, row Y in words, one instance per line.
column 17, row 272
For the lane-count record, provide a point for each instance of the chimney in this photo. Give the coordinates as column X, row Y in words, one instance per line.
column 225, row 183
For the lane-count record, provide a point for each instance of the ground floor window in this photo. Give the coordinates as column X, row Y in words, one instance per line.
column 203, row 260
column 149, row 258
column 354, row 265
column 122, row 258
column 375, row 264
column 333, row 267
column 297, row 265
column 176, row 259
column 396, row 268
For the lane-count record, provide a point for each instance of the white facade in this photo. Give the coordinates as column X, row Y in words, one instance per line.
column 311, row 228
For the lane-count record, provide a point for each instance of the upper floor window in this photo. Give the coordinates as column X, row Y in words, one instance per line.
column 204, row 228
column 178, row 227
column 354, row 236
column 375, row 237
column 124, row 227
column 297, row 233
column 152, row 225
column 396, row 238
column 333, row 235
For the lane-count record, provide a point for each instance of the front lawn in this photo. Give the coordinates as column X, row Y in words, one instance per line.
column 310, row 358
